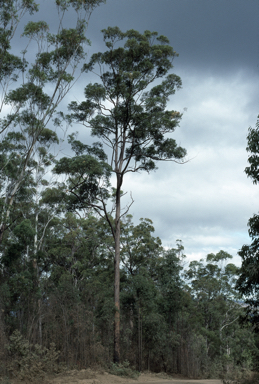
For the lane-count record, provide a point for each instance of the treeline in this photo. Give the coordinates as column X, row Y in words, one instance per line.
column 174, row 317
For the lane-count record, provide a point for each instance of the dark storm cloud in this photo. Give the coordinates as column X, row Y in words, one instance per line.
column 211, row 35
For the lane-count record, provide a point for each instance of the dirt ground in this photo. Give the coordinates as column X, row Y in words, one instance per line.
column 87, row 376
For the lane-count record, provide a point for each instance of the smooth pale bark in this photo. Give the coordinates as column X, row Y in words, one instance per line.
column 116, row 356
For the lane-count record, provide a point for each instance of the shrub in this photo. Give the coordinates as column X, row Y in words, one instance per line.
column 240, row 376
column 29, row 361
column 124, row 369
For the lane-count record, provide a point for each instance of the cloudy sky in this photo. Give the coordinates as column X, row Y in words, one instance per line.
column 207, row 202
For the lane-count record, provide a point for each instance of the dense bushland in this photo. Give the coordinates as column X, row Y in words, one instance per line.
column 175, row 317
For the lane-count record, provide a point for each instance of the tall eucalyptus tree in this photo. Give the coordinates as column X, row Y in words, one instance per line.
column 130, row 118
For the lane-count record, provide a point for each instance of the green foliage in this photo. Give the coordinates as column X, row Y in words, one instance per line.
column 87, row 5
column 252, row 378
column 32, row 29
column 238, row 375
column 170, row 283
column 11, row 12
column 123, row 369
column 32, row 104
column 139, row 247
column 248, row 281
column 24, row 232
column 213, row 289
column 88, row 178
column 252, row 148
column 143, row 119
column 29, row 361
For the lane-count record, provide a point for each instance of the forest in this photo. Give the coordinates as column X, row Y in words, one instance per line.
column 81, row 283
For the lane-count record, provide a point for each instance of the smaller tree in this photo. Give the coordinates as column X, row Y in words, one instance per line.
column 248, row 281
column 41, row 85
column 213, row 289
column 139, row 248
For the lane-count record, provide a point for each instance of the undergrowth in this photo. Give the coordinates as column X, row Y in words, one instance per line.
column 27, row 361
column 123, row 369
column 246, row 377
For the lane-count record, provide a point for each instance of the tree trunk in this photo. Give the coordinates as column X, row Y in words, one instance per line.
column 116, row 357
column 139, row 339
column 2, row 229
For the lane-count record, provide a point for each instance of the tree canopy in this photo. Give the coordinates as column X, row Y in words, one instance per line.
column 248, row 281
